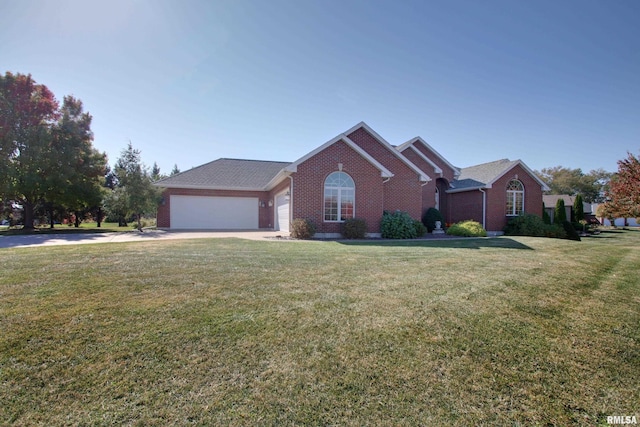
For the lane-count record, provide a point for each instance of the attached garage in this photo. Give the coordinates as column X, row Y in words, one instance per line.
column 282, row 212
column 214, row 213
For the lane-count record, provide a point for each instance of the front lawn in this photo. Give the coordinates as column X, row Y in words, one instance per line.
column 505, row 331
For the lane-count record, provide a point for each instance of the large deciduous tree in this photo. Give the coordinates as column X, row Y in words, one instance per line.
column 27, row 112
column 46, row 152
column 561, row 180
column 624, row 192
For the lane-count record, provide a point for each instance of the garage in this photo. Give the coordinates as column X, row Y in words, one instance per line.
column 282, row 212
column 214, row 213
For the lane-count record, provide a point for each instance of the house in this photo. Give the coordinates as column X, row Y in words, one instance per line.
column 357, row 174
column 550, row 201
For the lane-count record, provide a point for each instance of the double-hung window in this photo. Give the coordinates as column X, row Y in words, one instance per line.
column 339, row 197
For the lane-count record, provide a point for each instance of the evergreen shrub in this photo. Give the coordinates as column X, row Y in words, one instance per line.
column 572, row 234
column 421, row 230
column 430, row 217
column 354, row 228
column 397, row 225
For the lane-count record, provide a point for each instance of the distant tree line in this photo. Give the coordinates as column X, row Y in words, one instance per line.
column 50, row 169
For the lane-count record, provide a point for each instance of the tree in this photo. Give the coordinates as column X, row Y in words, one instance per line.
column 27, row 111
column 560, row 214
column 563, row 180
column 77, row 169
column 578, row 209
column 605, row 210
column 175, row 170
column 155, row 172
column 135, row 194
column 624, row 190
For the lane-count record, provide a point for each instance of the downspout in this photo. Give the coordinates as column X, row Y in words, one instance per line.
column 290, row 200
column 484, row 208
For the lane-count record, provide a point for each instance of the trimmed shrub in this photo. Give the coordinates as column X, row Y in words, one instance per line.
column 430, row 217
column 545, row 216
column 354, row 228
column 578, row 209
column 421, row 230
column 526, row 225
column 302, row 229
column 467, row 228
column 532, row 225
column 560, row 214
column 572, row 234
column 397, row 225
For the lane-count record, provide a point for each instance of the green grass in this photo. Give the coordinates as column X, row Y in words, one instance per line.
column 507, row 331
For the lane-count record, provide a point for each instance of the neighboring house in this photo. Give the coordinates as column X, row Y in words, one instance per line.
column 550, row 201
column 357, row 174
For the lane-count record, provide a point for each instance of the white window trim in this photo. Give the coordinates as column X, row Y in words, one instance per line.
column 511, row 195
column 324, row 189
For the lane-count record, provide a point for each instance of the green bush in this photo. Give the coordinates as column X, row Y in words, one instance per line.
column 354, row 228
column 430, row 217
column 578, row 209
column 421, row 230
column 397, row 225
column 532, row 225
column 572, row 234
column 545, row 217
column 302, row 229
column 467, row 228
column 560, row 213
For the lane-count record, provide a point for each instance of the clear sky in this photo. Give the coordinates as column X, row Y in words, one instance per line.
column 187, row 82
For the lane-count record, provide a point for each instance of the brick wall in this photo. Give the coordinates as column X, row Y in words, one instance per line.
column 308, row 187
column 403, row 191
column 447, row 172
column 465, row 205
column 428, row 190
column 497, row 198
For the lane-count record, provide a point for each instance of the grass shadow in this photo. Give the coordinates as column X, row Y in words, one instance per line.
column 468, row 243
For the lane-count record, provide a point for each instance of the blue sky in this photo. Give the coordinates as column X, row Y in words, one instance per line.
column 548, row 82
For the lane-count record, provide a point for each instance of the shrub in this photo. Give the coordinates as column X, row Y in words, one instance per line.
column 578, row 209
column 560, row 214
column 354, row 228
column 430, row 217
column 421, row 230
column 397, row 225
column 545, row 216
column 467, row 228
column 533, row 225
column 302, row 229
column 572, row 234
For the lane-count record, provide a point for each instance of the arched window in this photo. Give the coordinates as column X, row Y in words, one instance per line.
column 515, row 198
column 339, row 197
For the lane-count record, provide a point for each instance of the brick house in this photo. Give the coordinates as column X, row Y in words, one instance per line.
column 356, row 174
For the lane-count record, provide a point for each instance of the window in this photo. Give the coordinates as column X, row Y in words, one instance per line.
column 515, row 198
column 339, row 197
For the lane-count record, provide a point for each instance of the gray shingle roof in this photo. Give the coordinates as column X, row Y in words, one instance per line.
column 227, row 174
column 483, row 174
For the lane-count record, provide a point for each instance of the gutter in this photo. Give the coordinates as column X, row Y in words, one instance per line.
column 484, row 208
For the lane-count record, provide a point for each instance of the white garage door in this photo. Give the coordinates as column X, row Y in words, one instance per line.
column 214, row 213
column 282, row 212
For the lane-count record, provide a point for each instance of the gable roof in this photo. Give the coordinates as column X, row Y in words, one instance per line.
column 227, row 174
column 384, row 172
column 550, row 201
column 485, row 174
column 411, row 143
column 423, row 176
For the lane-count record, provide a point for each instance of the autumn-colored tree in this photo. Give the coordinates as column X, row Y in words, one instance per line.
column 625, row 188
column 27, row 111
column 46, row 152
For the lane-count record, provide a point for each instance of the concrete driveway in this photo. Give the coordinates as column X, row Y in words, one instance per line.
column 31, row 240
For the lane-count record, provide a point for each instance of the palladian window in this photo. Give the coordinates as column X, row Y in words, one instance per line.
column 339, row 197
column 515, row 198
